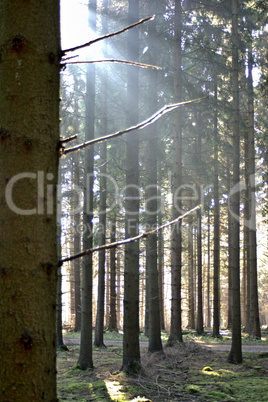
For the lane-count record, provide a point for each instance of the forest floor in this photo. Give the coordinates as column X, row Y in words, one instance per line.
column 196, row 370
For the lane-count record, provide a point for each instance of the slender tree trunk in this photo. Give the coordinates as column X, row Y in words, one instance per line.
column 29, row 110
column 176, row 241
column 160, row 254
column 112, row 326
column 216, row 255
column 155, row 343
column 85, row 359
column 199, row 324
column 76, row 221
column 99, row 327
column 131, row 347
column 191, row 277
column 230, row 276
column 235, row 355
column 254, row 324
column 200, row 319
column 208, row 276
column 60, row 343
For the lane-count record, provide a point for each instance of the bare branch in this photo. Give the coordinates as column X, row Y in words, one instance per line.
column 139, row 126
column 132, row 63
column 142, row 21
column 68, row 139
column 131, row 239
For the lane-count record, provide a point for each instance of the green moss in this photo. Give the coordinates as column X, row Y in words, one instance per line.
column 78, row 386
column 219, row 396
column 208, row 371
column 193, row 389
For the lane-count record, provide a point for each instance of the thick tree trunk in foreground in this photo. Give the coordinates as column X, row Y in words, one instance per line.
column 29, row 132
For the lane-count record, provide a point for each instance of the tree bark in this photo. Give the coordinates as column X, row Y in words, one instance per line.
column 112, row 318
column 216, row 255
column 155, row 343
column 99, row 327
column 131, row 347
column 254, row 318
column 85, row 359
column 176, row 240
column 235, row 355
column 191, row 276
column 29, row 131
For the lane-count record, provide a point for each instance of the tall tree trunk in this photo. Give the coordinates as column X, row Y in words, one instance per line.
column 155, row 343
column 76, row 221
column 60, row 343
column 176, row 241
column 254, row 321
column 235, row 355
column 216, row 255
column 208, row 276
column 29, row 110
column 230, row 264
column 160, row 254
column 131, row 347
column 85, row 359
column 112, row 326
column 199, row 321
column 191, row 277
column 99, row 327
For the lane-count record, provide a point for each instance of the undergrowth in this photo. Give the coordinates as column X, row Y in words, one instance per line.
column 185, row 372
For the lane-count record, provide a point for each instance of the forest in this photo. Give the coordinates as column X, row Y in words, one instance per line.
column 138, row 224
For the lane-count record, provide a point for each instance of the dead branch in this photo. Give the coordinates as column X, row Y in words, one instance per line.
column 129, row 240
column 135, row 24
column 132, row 63
column 68, row 139
column 139, row 126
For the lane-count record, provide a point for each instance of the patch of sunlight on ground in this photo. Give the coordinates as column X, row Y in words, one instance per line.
column 116, row 393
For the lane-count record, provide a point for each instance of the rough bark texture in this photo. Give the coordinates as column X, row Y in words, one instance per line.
column 29, row 133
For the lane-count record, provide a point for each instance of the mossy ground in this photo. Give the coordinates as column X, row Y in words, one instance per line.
column 185, row 372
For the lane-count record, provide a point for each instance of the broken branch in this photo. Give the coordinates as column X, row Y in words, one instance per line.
column 139, row 126
column 142, row 21
column 129, row 240
column 132, row 63
column 68, row 139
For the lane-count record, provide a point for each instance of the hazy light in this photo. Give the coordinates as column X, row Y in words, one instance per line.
column 75, row 30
